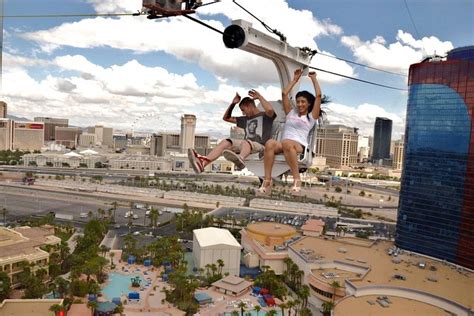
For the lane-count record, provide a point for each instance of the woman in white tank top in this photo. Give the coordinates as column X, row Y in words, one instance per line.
column 299, row 122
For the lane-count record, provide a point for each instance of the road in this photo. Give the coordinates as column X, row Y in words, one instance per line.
column 22, row 202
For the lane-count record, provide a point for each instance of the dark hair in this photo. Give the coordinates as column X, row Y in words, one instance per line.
column 310, row 98
column 247, row 100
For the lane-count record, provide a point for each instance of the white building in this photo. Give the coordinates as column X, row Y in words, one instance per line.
column 211, row 244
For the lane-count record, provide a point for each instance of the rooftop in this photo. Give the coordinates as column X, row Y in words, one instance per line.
column 271, row 229
column 377, row 268
column 28, row 307
column 233, row 284
column 211, row 236
column 368, row 305
column 314, row 225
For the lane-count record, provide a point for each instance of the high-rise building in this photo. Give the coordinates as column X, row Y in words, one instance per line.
column 28, row 135
column 436, row 210
column 3, row 109
column 338, row 143
column 67, row 136
column 163, row 143
column 6, row 134
column 50, row 124
column 87, row 140
column 188, row 127
column 362, row 148
column 103, row 135
column 398, row 154
column 382, row 138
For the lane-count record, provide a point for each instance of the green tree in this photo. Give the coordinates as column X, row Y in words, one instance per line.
column 257, row 309
column 4, row 213
column 327, row 308
column 242, row 307
column 4, row 286
column 335, row 285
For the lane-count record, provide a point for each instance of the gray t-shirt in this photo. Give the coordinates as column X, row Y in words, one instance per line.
column 258, row 128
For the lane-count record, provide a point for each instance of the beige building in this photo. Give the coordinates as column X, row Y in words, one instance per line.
column 188, row 128
column 265, row 244
column 58, row 160
column 3, row 109
column 28, row 135
column 164, row 143
column 24, row 244
column 398, row 150
column 87, row 140
column 232, row 285
column 140, row 162
column 367, row 271
column 338, row 143
column 30, row 307
column 50, row 125
column 211, row 244
column 313, row 227
column 6, row 134
column 103, row 135
column 67, row 136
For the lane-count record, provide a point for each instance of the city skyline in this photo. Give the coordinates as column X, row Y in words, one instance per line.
column 110, row 78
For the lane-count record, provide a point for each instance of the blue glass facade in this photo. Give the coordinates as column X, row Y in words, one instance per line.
column 436, row 155
column 436, row 208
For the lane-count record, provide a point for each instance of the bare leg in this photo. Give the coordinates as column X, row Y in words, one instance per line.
column 245, row 150
column 291, row 150
column 272, row 147
column 217, row 151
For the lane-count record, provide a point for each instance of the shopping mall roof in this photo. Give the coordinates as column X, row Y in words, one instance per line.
column 271, row 229
column 211, row 236
column 377, row 267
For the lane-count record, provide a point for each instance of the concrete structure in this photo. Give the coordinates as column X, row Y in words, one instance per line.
column 294, row 207
column 164, row 143
column 382, row 138
column 103, row 135
column 30, row 307
column 221, row 200
column 265, row 244
column 313, row 227
column 211, row 244
column 87, row 140
column 50, row 125
column 364, row 268
column 188, row 127
column 6, row 134
column 3, row 109
column 28, row 135
column 137, row 150
column 338, row 143
column 67, row 136
column 398, row 154
column 232, row 285
column 59, row 159
column 436, row 210
column 140, row 162
column 23, row 244
column 120, row 141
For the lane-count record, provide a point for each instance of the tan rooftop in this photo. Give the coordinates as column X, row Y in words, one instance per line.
column 375, row 267
column 360, row 306
column 28, row 307
column 271, row 229
column 315, row 225
column 233, row 284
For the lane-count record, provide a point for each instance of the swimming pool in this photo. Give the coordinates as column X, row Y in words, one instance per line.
column 120, row 284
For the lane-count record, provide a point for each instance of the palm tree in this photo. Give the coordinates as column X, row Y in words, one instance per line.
column 257, row 309
column 92, row 305
column 290, row 305
column 114, row 208
column 327, row 307
column 234, row 313
column 4, row 213
column 283, row 306
column 220, row 264
column 335, row 285
column 271, row 312
column 242, row 306
column 154, row 216
column 304, row 293
column 111, row 255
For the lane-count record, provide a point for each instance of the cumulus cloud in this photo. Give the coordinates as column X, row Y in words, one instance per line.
column 363, row 117
column 397, row 56
column 187, row 41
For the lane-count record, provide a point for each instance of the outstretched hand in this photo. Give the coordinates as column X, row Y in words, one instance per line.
column 236, row 99
column 312, row 75
column 254, row 94
column 297, row 74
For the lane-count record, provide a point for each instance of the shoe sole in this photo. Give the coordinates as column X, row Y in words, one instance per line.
column 232, row 157
column 192, row 161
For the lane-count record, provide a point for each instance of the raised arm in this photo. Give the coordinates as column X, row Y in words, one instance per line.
column 228, row 113
column 317, row 94
column 286, row 91
column 265, row 104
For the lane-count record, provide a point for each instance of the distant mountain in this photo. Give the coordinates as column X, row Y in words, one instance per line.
column 16, row 118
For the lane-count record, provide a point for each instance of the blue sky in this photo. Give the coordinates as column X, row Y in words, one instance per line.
column 115, row 71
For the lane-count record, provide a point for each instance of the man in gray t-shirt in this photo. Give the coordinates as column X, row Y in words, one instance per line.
column 258, row 128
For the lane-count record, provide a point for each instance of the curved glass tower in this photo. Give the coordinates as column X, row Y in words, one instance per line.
column 436, row 210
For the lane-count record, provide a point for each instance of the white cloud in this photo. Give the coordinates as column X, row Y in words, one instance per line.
column 363, row 117
column 397, row 56
column 190, row 42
